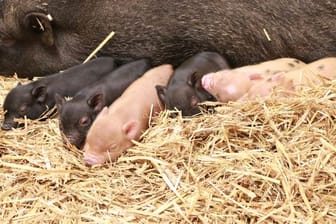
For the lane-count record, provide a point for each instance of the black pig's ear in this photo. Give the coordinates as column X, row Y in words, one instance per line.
column 59, row 101
column 96, row 102
column 40, row 93
column 19, row 84
column 161, row 92
column 192, row 81
column 40, row 24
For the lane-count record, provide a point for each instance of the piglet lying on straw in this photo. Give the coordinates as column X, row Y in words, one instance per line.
column 312, row 74
column 243, row 83
column 116, row 126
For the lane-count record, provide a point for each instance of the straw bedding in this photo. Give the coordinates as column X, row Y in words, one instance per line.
column 263, row 161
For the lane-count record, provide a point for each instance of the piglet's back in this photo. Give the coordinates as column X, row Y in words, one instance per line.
column 272, row 67
column 325, row 67
column 141, row 94
column 312, row 73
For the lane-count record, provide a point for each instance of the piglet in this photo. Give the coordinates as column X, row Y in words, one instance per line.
column 233, row 84
column 125, row 120
column 37, row 97
column 184, row 91
column 313, row 73
column 243, row 84
column 77, row 115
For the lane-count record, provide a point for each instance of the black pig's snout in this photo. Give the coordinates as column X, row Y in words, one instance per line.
column 8, row 126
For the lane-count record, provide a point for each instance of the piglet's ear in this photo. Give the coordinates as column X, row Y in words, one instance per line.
column 19, row 84
column 59, row 101
column 130, row 129
column 195, row 80
column 161, row 92
column 40, row 93
column 192, row 79
column 40, row 24
column 96, row 102
column 104, row 111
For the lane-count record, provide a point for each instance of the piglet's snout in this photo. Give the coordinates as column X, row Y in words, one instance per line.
column 207, row 81
column 90, row 159
column 6, row 126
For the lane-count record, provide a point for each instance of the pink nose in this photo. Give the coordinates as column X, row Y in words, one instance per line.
column 207, row 82
column 91, row 160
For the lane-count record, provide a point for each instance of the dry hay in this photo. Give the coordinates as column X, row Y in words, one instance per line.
column 271, row 161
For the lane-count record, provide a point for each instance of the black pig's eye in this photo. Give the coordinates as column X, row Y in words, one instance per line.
column 194, row 101
column 84, row 121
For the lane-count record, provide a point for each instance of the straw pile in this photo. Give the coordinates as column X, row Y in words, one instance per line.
column 264, row 161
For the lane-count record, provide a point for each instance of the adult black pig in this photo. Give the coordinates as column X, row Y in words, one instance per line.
column 77, row 115
column 184, row 90
column 37, row 97
column 42, row 37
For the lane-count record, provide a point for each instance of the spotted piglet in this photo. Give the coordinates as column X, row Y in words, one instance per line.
column 232, row 84
column 311, row 74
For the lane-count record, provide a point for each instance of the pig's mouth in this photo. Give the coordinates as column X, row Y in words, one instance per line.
column 8, row 127
column 73, row 139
